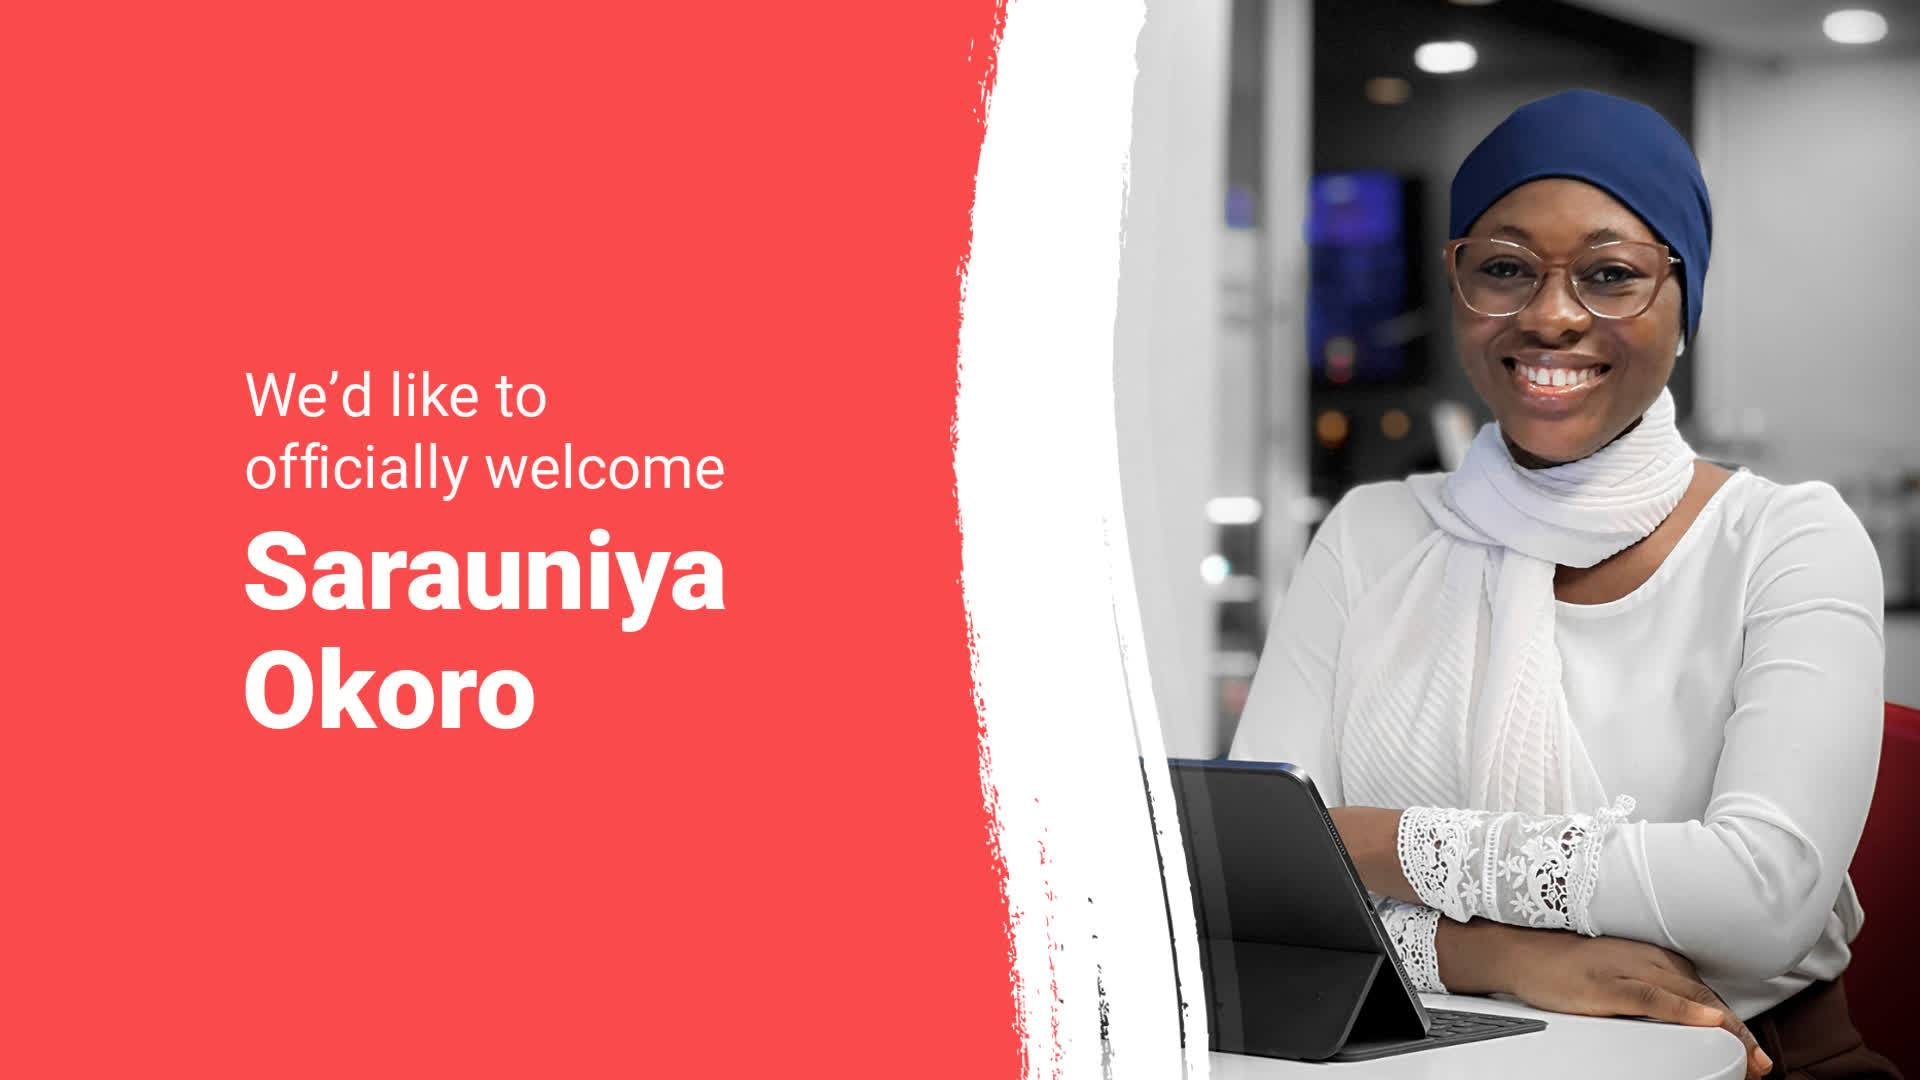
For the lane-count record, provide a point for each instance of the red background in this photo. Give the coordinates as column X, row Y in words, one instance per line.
column 746, row 842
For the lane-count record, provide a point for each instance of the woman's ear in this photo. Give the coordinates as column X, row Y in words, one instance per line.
column 1680, row 349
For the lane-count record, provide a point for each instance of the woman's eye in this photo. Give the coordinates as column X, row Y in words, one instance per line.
column 1505, row 269
column 1611, row 274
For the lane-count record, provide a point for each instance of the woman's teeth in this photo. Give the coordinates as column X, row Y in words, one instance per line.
column 1540, row 376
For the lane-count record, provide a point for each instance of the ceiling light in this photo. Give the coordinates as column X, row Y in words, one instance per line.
column 1389, row 90
column 1855, row 26
column 1445, row 57
column 1233, row 510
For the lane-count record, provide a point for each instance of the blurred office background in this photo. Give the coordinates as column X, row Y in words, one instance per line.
column 1283, row 329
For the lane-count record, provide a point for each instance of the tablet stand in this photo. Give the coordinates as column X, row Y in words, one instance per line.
column 1300, row 1002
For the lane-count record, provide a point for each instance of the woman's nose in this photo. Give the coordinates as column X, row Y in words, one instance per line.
column 1555, row 311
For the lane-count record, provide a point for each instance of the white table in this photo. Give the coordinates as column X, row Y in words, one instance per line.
column 1572, row 1048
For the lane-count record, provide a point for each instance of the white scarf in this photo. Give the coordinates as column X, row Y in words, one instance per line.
column 1449, row 674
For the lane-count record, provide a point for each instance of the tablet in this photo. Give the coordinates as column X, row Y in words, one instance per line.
column 1295, row 962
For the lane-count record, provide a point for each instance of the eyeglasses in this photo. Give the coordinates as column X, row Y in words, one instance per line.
column 1616, row 280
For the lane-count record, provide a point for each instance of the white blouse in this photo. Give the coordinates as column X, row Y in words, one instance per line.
column 1734, row 698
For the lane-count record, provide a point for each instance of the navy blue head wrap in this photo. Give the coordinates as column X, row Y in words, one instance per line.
column 1620, row 147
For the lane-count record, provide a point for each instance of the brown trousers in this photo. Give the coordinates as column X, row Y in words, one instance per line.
column 1810, row 1036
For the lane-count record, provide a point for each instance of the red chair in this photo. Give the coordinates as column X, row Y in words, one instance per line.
column 1887, row 876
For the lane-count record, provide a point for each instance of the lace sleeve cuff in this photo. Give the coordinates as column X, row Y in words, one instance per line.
column 1512, row 868
column 1411, row 928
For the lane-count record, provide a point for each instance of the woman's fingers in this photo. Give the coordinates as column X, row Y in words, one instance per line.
column 1758, row 1063
column 1642, row 997
column 1701, row 996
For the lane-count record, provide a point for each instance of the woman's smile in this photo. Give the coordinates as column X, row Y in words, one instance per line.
column 1552, row 385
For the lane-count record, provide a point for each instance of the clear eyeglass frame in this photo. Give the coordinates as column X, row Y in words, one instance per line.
column 1668, row 261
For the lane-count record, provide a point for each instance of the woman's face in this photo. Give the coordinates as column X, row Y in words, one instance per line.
column 1632, row 358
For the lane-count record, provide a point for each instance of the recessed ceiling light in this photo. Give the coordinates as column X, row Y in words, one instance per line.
column 1855, row 26
column 1233, row 510
column 1389, row 90
column 1445, row 57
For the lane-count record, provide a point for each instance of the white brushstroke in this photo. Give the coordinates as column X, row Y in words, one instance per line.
column 1060, row 675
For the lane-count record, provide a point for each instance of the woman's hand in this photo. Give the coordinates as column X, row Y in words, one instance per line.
column 1548, row 969
column 1603, row 976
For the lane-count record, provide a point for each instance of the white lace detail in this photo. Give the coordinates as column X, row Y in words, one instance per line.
column 1589, row 864
column 1526, row 870
column 1411, row 928
column 1436, row 846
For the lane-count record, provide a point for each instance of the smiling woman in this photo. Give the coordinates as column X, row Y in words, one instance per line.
column 1494, row 669
column 1565, row 366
